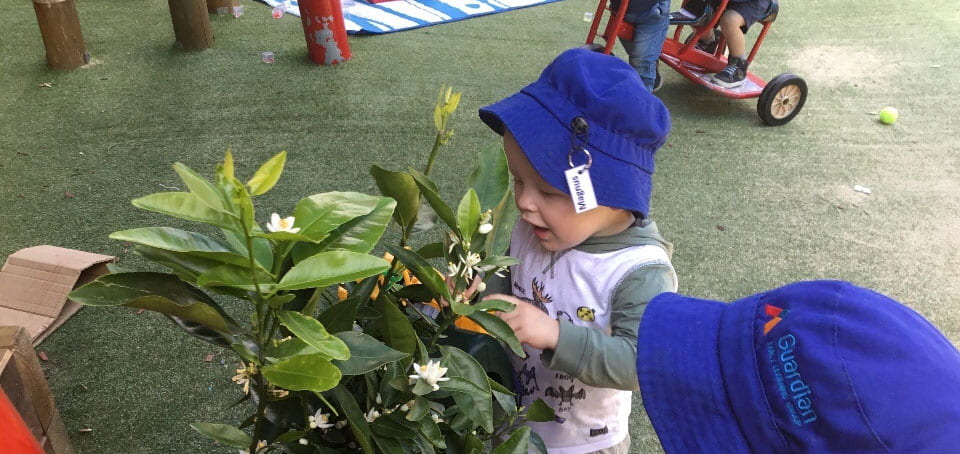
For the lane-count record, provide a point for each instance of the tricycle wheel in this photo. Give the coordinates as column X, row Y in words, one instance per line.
column 782, row 99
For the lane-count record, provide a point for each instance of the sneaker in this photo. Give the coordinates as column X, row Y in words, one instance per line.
column 733, row 75
column 709, row 47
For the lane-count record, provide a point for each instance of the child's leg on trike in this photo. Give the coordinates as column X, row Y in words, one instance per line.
column 731, row 24
column 643, row 50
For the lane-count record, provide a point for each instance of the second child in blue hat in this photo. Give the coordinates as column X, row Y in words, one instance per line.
column 580, row 144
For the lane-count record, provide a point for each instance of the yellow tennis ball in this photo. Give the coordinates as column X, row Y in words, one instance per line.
column 888, row 115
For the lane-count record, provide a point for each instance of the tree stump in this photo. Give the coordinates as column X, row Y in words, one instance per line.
column 60, row 30
column 191, row 24
column 213, row 5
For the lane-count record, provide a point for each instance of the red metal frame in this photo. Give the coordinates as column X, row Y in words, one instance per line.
column 685, row 58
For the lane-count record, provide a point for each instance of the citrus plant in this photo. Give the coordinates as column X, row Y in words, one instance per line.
column 341, row 350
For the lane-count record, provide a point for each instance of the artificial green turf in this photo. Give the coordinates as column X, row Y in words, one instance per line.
column 748, row 207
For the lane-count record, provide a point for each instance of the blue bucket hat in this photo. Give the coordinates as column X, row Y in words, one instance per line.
column 811, row 367
column 626, row 125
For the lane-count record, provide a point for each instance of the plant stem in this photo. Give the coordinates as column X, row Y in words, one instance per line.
column 433, row 153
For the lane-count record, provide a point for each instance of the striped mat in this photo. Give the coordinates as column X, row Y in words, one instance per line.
column 396, row 15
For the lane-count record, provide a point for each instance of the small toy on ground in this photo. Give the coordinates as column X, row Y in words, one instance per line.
column 889, row 115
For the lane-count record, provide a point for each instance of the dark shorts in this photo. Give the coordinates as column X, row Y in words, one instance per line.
column 751, row 11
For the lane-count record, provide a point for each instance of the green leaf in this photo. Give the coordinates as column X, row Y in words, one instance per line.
column 431, row 431
column 237, row 277
column 498, row 260
column 185, row 205
column 421, row 268
column 468, row 214
column 285, row 236
column 313, row 333
column 539, row 411
column 303, row 373
column 506, row 399
column 185, row 265
column 267, row 175
column 476, row 405
column 500, row 330
column 494, row 305
column 228, row 435
column 518, row 443
column 429, row 190
column 357, row 423
column 226, row 169
column 401, row 187
column 362, row 233
column 396, row 330
column 392, row 425
column 420, row 409
column 183, row 241
column 491, row 177
column 366, row 353
column 320, row 214
column 200, row 187
column 431, row 251
column 159, row 292
column 332, row 267
column 290, row 348
column 340, row 316
column 503, row 218
column 262, row 250
column 242, row 204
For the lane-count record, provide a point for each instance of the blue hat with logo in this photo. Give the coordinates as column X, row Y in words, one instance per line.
column 811, row 367
column 624, row 126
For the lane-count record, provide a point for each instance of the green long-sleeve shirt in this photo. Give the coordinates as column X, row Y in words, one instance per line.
column 590, row 355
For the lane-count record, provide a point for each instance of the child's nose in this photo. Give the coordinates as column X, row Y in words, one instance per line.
column 525, row 200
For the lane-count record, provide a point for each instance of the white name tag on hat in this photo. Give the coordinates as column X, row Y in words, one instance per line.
column 581, row 188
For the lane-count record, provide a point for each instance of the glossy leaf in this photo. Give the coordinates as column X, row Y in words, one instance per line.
column 468, row 214
column 361, row 234
column 420, row 409
column 499, row 329
column 185, row 265
column 303, row 373
column 392, row 425
column 518, row 442
column 332, row 267
column 320, row 214
column 476, row 405
column 539, row 411
column 430, row 192
column 504, row 398
column 262, row 250
column 498, row 260
column 503, row 219
column 494, row 305
column 431, row 251
column 366, row 353
column 284, row 236
column 267, row 175
column 160, row 292
column 340, row 316
column 422, row 269
column 356, row 422
column 396, row 330
column 183, row 241
column 185, row 205
column 401, row 187
column 491, row 177
column 309, row 330
column 200, row 187
column 237, row 277
column 228, row 435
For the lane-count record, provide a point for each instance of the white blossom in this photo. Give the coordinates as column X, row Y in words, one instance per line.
column 372, row 415
column 481, row 286
column 303, row 441
column 277, row 224
column 485, row 228
column 320, row 421
column 430, row 373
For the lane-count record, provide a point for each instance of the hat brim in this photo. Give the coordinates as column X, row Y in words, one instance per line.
column 545, row 140
column 681, row 379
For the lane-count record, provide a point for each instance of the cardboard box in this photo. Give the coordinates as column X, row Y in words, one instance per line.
column 35, row 282
column 22, row 380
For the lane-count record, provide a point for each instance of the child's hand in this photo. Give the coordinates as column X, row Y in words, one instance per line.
column 467, row 294
column 532, row 326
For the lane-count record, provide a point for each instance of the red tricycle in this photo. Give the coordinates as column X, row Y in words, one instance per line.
column 780, row 99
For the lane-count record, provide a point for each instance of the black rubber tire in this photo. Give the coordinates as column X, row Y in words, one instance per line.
column 782, row 99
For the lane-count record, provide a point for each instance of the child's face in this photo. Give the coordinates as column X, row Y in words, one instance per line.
column 550, row 211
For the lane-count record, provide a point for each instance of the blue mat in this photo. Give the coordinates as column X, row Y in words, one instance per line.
column 396, row 15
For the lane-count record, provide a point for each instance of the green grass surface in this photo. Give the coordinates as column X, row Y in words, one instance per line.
column 748, row 207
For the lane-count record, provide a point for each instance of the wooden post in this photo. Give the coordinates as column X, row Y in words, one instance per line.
column 191, row 24
column 212, row 5
column 60, row 29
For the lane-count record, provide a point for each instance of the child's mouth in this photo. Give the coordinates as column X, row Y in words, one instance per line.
column 540, row 232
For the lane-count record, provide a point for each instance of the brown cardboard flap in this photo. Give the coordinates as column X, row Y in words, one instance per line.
column 35, row 282
column 22, row 379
